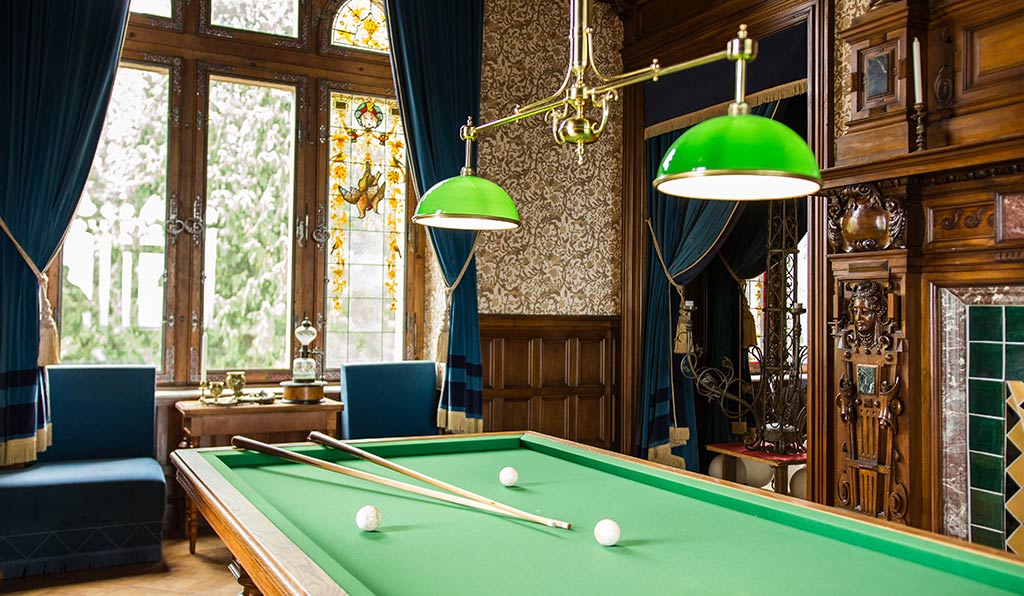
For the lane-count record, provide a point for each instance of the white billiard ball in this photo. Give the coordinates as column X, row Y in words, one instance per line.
column 508, row 476
column 368, row 518
column 607, row 532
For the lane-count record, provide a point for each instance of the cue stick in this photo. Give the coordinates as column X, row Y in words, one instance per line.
column 254, row 445
column 321, row 438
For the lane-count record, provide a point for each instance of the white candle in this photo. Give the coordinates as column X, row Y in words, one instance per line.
column 202, row 361
column 917, row 72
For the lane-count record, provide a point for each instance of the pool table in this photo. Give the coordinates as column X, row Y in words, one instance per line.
column 291, row 529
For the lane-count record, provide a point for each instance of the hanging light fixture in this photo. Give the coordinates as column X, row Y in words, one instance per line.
column 736, row 157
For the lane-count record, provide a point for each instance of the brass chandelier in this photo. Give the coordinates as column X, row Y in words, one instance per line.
column 736, row 157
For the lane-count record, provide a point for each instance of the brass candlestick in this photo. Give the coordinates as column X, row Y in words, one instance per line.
column 919, row 116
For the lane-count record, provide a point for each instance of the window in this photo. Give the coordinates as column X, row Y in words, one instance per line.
column 232, row 196
column 113, row 299
column 754, row 291
column 360, row 24
column 160, row 8
column 249, row 196
column 280, row 17
column 365, row 270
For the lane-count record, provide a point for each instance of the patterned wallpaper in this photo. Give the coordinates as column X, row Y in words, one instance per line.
column 565, row 259
column 846, row 11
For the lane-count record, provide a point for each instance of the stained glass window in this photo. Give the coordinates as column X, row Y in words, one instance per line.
column 113, row 287
column 365, row 262
column 361, row 24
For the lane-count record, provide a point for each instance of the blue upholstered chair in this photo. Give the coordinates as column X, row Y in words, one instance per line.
column 389, row 399
column 96, row 497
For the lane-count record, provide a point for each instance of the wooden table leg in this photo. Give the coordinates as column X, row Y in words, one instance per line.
column 781, row 480
column 191, row 523
column 729, row 464
column 248, row 586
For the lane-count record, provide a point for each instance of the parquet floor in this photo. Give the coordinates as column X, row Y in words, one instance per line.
column 203, row 574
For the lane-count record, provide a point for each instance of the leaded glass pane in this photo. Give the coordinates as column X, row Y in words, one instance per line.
column 160, row 8
column 365, row 264
column 249, row 196
column 280, row 17
column 112, row 292
column 361, row 24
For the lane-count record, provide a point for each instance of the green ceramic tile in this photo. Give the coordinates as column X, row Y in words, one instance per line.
column 1014, row 362
column 985, row 323
column 987, row 472
column 986, row 434
column 1015, row 323
column 987, row 509
column 986, row 397
column 987, row 537
column 986, row 360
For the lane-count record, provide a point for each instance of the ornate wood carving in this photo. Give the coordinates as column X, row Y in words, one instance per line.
column 869, row 401
column 861, row 218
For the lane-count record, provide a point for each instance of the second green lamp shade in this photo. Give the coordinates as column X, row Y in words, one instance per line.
column 467, row 203
column 737, row 158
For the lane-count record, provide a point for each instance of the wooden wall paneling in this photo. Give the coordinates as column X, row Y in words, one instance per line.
column 552, row 374
column 634, row 254
column 819, row 93
column 975, row 62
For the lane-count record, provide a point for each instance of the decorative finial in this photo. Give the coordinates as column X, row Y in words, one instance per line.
column 743, row 32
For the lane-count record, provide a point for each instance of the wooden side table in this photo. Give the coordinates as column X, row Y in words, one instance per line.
column 201, row 420
column 779, row 463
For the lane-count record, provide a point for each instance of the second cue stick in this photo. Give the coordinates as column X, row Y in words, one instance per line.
column 321, row 438
column 258, row 446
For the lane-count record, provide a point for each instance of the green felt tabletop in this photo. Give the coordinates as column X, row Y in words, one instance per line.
column 680, row 535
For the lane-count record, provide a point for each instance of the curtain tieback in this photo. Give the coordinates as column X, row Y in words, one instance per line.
column 449, row 291
column 748, row 329
column 49, row 342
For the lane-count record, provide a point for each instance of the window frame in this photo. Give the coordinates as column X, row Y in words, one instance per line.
column 192, row 57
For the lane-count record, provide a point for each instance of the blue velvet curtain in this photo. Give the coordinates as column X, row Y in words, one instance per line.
column 689, row 232
column 58, row 67
column 436, row 48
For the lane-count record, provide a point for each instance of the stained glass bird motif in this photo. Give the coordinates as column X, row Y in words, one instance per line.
column 367, row 194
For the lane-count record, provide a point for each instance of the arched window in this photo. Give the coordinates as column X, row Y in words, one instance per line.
column 360, row 24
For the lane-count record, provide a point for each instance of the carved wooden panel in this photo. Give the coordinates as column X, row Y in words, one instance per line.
column 986, row 59
column 975, row 61
column 862, row 218
column 556, row 375
column 958, row 222
column 870, row 396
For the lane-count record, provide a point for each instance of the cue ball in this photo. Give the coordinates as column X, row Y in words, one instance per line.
column 508, row 476
column 368, row 518
column 607, row 532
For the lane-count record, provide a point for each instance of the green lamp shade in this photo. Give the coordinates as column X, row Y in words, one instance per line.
column 739, row 158
column 467, row 203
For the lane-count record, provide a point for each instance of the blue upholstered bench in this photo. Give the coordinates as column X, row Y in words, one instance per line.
column 95, row 498
column 389, row 399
